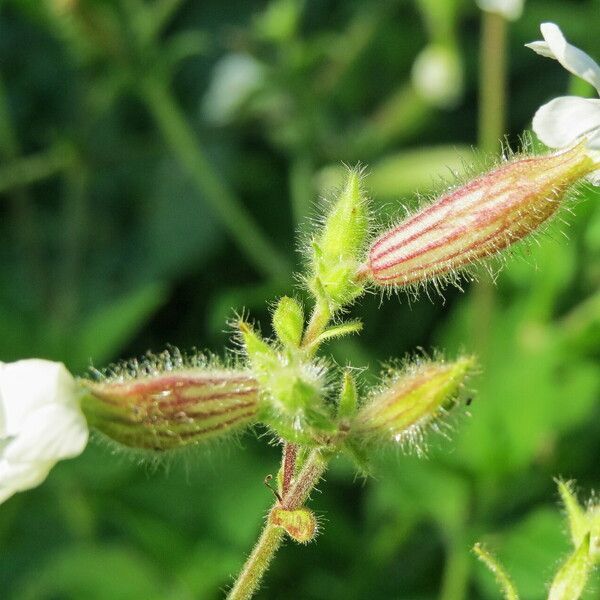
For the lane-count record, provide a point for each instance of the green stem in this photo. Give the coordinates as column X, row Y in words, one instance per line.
column 270, row 539
column 246, row 233
column 455, row 581
column 301, row 188
column 492, row 80
column 492, row 108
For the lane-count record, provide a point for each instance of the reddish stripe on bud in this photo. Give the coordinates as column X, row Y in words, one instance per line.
column 172, row 409
column 475, row 221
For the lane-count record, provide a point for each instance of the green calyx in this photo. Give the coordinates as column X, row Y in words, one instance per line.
column 292, row 388
column 288, row 321
column 336, row 251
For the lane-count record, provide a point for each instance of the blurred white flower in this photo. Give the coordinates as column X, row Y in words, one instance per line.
column 437, row 76
column 562, row 121
column 509, row 9
column 235, row 78
column 40, row 422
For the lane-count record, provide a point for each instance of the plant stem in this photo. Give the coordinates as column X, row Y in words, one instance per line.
column 289, row 466
column 492, row 108
column 492, row 81
column 318, row 321
column 270, row 539
column 301, row 188
column 457, row 569
column 246, row 233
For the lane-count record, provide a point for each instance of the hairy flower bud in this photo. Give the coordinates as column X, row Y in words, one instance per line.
column 292, row 389
column 476, row 220
column 172, row 409
column 337, row 250
column 571, row 579
column 410, row 400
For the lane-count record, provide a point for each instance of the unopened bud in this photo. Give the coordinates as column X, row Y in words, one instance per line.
column 475, row 221
column 288, row 321
column 571, row 579
column 292, row 389
column 300, row 524
column 172, row 409
column 336, row 251
column 411, row 400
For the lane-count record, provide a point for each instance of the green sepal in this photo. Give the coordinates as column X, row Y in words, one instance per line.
column 340, row 330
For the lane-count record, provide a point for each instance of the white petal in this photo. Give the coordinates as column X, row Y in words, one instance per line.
column 509, row 9
column 562, row 120
column 26, row 385
column 570, row 57
column 51, row 433
column 23, row 476
column 541, row 48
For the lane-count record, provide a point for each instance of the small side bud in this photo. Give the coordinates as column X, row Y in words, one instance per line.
column 571, row 579
column 475, row 221
column 300, row 524
column 410, row 400
column 172, row 409
column 336, row 251
column 288, row 321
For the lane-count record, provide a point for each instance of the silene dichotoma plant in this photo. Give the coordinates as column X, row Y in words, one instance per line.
column 312, row 408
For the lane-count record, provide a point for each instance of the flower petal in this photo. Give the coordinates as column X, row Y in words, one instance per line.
column 26, row 385
column 51, row 433
column 22, row 476
column 570, row 57
column 563, row 120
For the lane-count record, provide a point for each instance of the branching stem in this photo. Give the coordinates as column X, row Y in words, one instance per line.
column 271, row 537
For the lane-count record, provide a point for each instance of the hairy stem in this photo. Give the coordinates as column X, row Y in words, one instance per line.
column 317, row 324
column 270, row 539
column 289, row 466
column 248, row 236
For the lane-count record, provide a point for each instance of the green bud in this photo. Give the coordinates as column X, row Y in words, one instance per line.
column 410, row 400
column 570, row 581
column 292, row 390
column 348, row 396
column 337, row 250
column 593, row 515
column 173, row 409
column 288, row 321
column 300, row 524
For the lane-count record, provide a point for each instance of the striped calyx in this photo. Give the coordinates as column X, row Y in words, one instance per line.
column 172, row 409
column 476, row 220
column 410, row 400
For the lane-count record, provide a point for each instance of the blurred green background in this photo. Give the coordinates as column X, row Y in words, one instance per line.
column 157, row 161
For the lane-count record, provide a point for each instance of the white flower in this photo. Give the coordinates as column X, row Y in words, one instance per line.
column 40, row 422
column 509, row 9
column 564, row 120
column 437, row 75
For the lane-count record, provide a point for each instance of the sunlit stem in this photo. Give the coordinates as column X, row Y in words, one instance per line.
column 492, row 107
column 258, row 250
column 271, row 537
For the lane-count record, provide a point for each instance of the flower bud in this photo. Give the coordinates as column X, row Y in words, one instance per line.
column 172, row 409
column 292, row 389
column 571, row 579
column 410, row 400
column 475, row 221
column 336, row 251
column 300, row 524
column 288, row 321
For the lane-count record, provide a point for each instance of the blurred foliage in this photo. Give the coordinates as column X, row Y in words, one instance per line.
column 156, row 160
